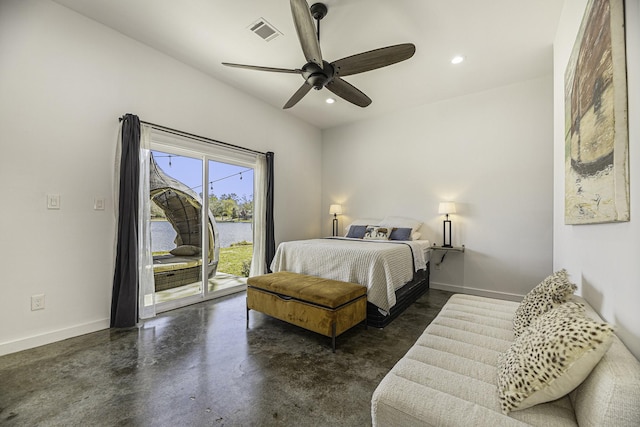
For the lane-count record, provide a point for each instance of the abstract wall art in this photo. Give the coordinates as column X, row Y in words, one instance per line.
column 596, row 129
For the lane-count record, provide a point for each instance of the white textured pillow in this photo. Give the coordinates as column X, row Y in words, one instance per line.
column 551, row 357
column 401, row 222
column 377, row 233
column 551, row 292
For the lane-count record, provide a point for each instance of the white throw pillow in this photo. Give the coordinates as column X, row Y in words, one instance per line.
column 551, row 357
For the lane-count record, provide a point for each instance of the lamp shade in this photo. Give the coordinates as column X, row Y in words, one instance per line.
column 447, row 208
column 335, row 210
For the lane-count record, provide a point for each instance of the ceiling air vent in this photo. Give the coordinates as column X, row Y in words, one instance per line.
column 266, row 31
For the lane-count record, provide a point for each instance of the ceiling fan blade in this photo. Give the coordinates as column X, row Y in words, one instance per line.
column 348, row 92
column 258, row 68
column 300, row 93
column 373, row 59
column 306, row 31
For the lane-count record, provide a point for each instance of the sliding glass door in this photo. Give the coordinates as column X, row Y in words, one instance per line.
column 200, row 222
column 230, row 195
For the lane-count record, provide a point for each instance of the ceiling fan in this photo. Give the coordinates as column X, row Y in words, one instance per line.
column 318, row 73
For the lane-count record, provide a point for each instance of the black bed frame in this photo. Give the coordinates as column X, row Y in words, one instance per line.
column 405, row 296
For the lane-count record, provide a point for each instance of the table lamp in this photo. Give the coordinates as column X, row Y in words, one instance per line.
column 446, row 208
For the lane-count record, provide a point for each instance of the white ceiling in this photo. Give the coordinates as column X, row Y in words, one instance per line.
column 503, row 41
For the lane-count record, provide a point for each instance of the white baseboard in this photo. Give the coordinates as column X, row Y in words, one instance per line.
column 51, row 337
column 475, row 291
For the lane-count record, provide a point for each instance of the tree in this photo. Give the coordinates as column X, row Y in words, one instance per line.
column 231, row 206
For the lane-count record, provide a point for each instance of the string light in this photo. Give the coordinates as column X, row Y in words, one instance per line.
column 210, row 182
column 223, row 178
column 168, row 155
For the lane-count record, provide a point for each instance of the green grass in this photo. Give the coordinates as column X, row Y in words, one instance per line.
column 236, row 259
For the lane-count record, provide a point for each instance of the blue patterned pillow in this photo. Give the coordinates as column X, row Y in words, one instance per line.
column 357, row 231
column 401, row 233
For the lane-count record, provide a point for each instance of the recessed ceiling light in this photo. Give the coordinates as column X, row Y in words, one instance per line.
column 330, row 101
column 457, row 59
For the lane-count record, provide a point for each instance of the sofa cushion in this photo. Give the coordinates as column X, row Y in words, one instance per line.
column 551, row 357
column 551, row 292
column 610, row 394
column 449, row 377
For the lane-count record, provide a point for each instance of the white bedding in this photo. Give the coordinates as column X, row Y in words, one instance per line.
column 381, row 266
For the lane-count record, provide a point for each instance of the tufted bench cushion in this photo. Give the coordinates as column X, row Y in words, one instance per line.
column 328, row 307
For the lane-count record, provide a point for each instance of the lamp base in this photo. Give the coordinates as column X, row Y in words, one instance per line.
column 446, row 233
column 335, row 225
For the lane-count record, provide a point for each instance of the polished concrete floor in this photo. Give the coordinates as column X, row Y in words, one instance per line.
column 200, row 366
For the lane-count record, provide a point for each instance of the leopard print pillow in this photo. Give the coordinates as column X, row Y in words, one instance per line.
column 551, row 357
column 551, row 292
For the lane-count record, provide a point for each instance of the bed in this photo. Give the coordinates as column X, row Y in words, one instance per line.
column 395, row 272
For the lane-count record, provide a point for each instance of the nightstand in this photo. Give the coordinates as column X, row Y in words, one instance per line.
column 446, row 250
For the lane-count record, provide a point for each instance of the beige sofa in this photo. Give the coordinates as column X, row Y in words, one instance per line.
column 449, row 377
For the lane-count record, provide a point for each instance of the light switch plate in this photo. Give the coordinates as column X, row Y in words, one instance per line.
column 98, row 203
column 53, row 201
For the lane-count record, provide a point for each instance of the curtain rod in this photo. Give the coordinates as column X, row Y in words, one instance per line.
column 202, row 138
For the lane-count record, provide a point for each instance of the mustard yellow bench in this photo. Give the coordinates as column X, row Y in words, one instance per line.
column 327, row 307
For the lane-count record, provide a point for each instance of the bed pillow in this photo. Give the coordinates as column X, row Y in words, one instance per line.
column 361, row 221
column 402, row 233
column 551, row 357
column 377, row 233
column 356, row 231
column 551, row 292
column 401, row 222
column 185, row 250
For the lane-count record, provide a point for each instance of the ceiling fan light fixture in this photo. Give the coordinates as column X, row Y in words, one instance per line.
column 457, row 59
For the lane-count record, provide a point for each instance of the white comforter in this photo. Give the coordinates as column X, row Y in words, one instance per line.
column 381, row 266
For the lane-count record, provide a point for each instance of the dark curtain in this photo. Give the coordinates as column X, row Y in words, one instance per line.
column 270, row 251
column 124, row 300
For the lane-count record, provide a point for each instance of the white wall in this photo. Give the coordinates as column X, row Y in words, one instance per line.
column 490, row 152
column 64, row 81
column 603, row 259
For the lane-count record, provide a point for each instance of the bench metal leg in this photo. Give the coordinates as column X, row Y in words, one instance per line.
column 248, row 316
column 333, row 336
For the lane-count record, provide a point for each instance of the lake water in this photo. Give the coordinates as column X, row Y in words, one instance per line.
column 163, row 234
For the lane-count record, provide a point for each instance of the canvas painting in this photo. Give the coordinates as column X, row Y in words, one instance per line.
column 596, row 130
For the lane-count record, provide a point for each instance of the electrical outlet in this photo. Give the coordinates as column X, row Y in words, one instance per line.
column 37, row 302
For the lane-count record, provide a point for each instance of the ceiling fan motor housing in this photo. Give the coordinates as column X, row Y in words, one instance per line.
column 316, row 76
column 318, row 11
